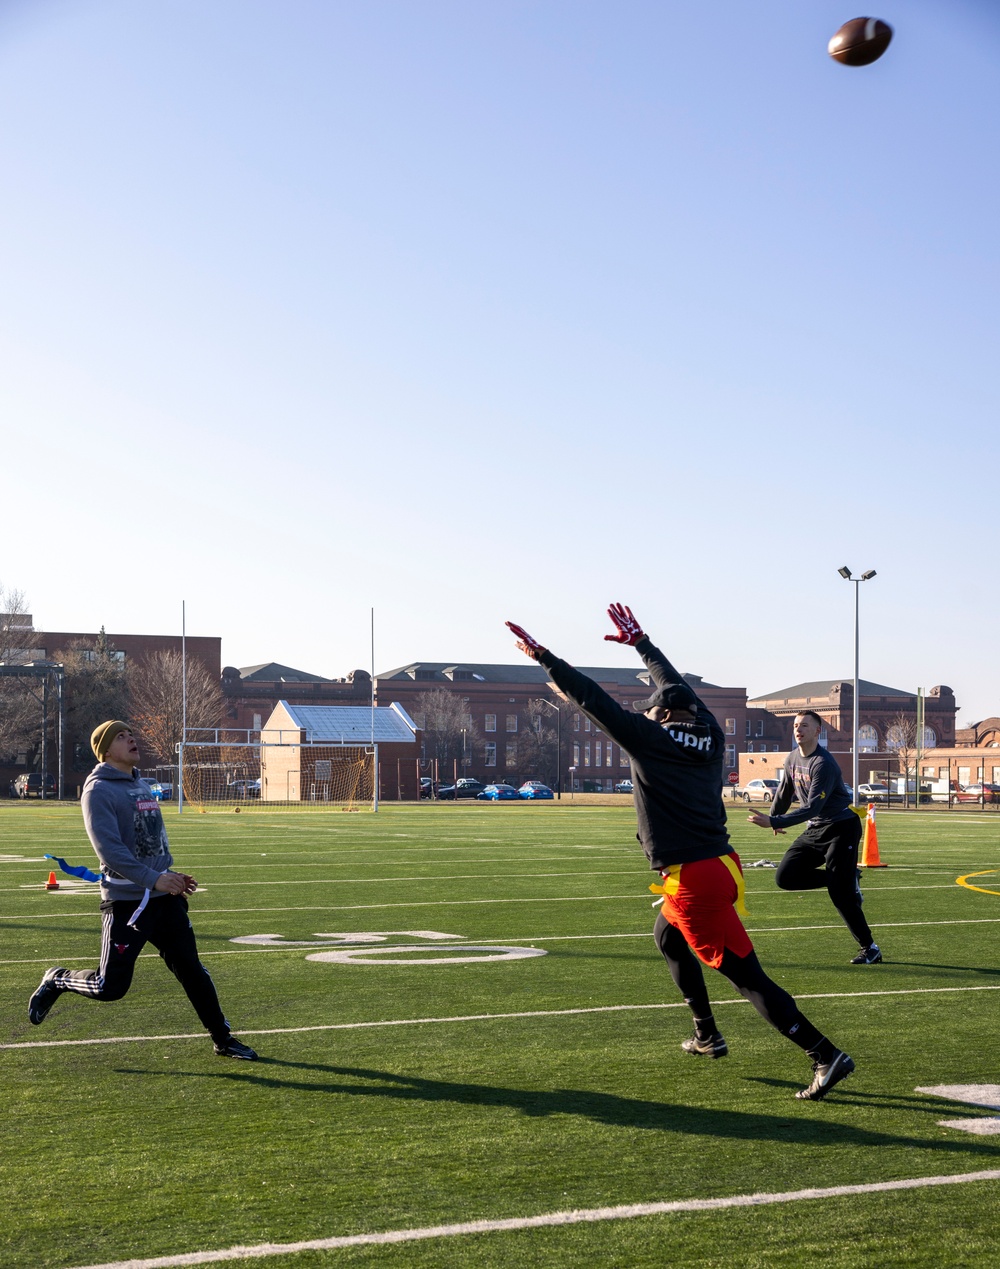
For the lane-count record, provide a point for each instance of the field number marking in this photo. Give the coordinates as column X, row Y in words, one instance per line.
column 428, row 955
column 986, row 1095
column 279, row 940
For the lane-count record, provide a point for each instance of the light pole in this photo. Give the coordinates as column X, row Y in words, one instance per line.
column 542, row 701
column 845, row 573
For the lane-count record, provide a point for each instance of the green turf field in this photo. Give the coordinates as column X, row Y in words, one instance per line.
column 509, row 1088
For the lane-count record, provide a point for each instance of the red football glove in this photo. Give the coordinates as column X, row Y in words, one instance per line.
column 629, row 630
column 530, row 647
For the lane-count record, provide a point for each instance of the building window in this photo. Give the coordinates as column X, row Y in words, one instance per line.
column 607, row 760
column 963, row 775
column 730, row 726
column 930, row 738
column 730, row 756
column 823, row 738
column 256, row 722
column 576, row 755
column 749, row 733
column 867, row 738
column 586, row 754
column 597, row 754
column 511, row 758
column 491, row 753
column 776, row 749
column 512, row 722
column 996, row 775
column 491, row 723
column 749, row 746
column 622, row 758
column 760, row 727
column 929, row 772
column 576, row 722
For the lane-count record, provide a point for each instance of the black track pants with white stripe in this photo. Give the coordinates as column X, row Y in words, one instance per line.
column 163, row 922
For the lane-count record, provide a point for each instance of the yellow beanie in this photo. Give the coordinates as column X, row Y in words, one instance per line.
column 101, row 737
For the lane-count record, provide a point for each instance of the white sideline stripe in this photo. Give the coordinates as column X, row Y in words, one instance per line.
column 578, row 1216
column 484, row 1017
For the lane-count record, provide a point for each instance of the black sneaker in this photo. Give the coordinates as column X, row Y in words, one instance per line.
column 824, row 1077
column 235, row 1049
column 46, row 995
column 868, row 956
column 714, row 1046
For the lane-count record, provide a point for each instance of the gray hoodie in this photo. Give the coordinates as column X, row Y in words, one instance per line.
column 125, row 827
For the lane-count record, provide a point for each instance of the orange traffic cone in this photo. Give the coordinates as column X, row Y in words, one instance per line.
column 52, row 884
column 869, row 845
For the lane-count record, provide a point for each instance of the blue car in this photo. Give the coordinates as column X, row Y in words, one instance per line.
column 498, row 793
column 156, row 788
column 534, row 790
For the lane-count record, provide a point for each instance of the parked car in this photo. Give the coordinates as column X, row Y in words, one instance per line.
column 873, row 792
column 534, row 790
column 759, row 790
column 156, row 788
column 624, row 786
column 465, row 788
column 978, row 793
column 498, row 793
column 29, row 784
column 426, row 787
column 244, row 788
column 168, row 790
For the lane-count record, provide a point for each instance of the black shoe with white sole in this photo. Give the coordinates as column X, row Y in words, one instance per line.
column 714, row 1046
column 45, row 996
column 826, row 1075
column 234, row 1048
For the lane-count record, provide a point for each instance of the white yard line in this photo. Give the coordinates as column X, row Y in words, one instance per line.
column 579, row 1216
column 482, row 1017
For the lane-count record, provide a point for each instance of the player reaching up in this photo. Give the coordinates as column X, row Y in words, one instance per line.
column 676, row 749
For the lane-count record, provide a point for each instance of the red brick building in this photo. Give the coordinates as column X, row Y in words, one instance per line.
column 250, row 694
column 497, row 699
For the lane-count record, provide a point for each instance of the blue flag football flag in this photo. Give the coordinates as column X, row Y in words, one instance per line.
column 74, row 870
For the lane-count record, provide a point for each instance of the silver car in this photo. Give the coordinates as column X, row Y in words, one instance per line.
column 760, row 790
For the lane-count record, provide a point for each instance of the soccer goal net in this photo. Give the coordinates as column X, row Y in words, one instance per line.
column 221, row 775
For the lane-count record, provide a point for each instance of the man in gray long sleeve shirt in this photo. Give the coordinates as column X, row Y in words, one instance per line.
column 832, row 834
column 142, row 898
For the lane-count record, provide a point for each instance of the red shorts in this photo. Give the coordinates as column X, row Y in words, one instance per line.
column 701, row 907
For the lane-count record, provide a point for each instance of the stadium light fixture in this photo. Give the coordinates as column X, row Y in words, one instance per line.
column 845, row 573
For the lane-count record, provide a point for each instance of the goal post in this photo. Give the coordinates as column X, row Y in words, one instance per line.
column 231, row 771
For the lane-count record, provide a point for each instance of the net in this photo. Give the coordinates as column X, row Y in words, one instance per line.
column 227, row 776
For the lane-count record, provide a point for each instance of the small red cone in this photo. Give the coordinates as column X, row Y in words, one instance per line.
column 869, row 845
column 52, row 884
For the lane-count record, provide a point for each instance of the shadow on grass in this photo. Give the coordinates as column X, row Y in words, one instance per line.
column 601, row 1108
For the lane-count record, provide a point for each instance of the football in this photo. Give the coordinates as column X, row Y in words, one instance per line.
column 860, row 41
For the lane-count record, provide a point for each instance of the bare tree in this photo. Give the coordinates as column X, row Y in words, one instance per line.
column 449, row 732
column 97, row 688
column 537, row 743
column 158, row 698
column 19, row 715
column 901, row 739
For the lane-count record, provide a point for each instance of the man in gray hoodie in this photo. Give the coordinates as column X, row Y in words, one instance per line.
column 142, row 898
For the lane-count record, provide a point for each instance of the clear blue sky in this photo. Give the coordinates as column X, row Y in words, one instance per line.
column 468, row 311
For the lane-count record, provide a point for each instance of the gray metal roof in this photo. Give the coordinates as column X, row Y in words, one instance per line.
column 823, row 687
column 275, row 672
column 350, row 724
column 524, row 672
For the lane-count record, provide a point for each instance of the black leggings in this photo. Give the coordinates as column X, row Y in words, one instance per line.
column 772, row 1002
column 826, row 857
column 163, row 922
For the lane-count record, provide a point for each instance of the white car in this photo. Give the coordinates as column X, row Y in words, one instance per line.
column 873, row 792
column 760, row 790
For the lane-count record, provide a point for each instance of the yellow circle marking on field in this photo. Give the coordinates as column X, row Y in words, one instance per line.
column 964, row 881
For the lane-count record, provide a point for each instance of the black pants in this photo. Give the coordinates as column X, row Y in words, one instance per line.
column 746, row 973
column 164, row 923
column 826, row 855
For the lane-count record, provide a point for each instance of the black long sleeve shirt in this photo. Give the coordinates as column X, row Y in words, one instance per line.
column 676, row 770
column 819, row 786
